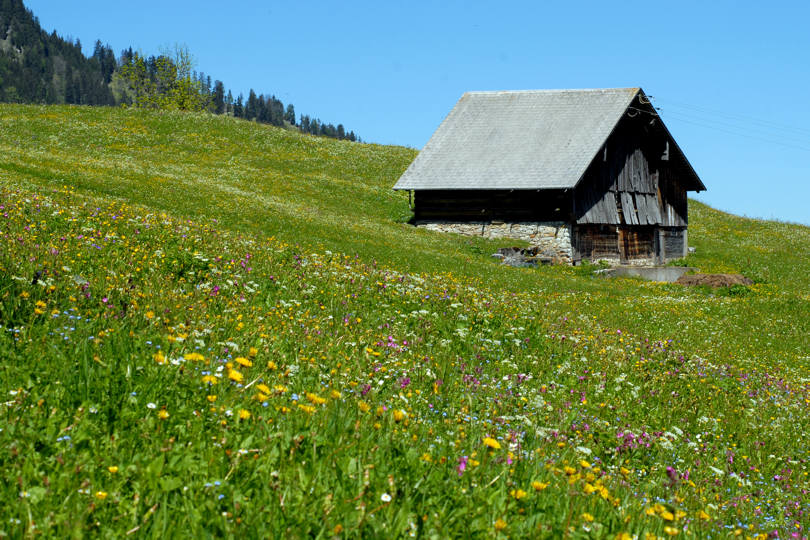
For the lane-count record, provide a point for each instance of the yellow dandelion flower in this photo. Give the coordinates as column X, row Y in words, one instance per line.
column 517, row 493
column 315, row 399
column 163, row 414
column 242, row 361
column 703, row 515
column 235, row 376
column 159, row 358
column 539, row 486
column 253, row 351
column 212, row 398
column 262, row 397
column 194, row 357
column 113, row 469
column 587, row 517
column 500, row 524
column 667, row 515
column 309, row 409
column 363, row 406
column 271, row 365
column 263, row 388
column 589, row 488
column 584, row 464
column 101, row 495
column 569, row 470
column 209, row 379
column 623, row 536
column 334, row 394
column 399, row 415
column 280, row 388
column 672, row 531
column 492, row 443
column 244, row 414
column 150, row 314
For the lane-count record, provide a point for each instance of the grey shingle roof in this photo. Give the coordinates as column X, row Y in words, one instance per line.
column 536, row 139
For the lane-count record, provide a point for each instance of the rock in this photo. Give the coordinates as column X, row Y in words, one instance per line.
column 532, row 256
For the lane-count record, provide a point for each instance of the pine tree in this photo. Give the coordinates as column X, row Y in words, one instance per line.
column 250, row 107
column 262, row 110
column 219, row 97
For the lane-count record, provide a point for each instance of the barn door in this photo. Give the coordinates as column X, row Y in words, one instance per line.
column 636, row 243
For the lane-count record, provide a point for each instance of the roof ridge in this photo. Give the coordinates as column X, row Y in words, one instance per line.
column 548, row 91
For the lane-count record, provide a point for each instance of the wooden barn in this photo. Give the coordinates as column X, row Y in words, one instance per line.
column 580, row 174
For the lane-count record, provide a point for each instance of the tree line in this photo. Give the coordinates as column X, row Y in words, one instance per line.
column 37, row 67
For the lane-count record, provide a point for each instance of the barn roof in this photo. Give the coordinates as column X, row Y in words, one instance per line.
column 533, row 139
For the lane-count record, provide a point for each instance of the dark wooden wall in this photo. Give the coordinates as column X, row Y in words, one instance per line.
column 673, row 241
column 489, row 205
column 628, row 243
column 633, row 180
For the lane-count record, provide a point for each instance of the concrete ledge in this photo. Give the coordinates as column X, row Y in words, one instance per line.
column 652, row 273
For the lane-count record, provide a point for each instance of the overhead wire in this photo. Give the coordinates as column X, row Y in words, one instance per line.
column 760, row 134
column 738, row 116
column 737, row 133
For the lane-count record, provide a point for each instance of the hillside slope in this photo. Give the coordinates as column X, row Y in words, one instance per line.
column 215, row 327
column 304, row 190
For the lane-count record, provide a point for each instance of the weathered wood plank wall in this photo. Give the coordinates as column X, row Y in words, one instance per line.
column 484, row 205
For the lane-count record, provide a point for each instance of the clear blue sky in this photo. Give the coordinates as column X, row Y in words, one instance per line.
column 732, row 78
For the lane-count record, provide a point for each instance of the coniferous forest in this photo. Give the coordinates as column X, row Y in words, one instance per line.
column 38, row 67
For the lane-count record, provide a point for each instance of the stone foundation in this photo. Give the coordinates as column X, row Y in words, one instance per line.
column 615, row 261
column 551, row 237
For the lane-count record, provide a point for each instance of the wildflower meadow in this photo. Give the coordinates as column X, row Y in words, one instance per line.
column 212, row 328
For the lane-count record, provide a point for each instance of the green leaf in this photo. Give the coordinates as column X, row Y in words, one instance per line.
column 154, row 469
column 170, row 483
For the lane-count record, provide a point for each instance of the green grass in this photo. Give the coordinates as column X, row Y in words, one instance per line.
column 133, row 239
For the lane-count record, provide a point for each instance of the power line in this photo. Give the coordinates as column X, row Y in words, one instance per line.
column 747, row 135
column 737, row 116
column 740, row 130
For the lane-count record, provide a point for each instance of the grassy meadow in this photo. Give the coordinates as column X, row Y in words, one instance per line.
column 214, row 328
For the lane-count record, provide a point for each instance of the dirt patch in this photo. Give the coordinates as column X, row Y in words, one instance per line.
column 714, row 280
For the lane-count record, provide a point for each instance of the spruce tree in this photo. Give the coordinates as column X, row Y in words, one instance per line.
column 250, row 107
column 219, row 97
